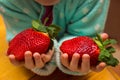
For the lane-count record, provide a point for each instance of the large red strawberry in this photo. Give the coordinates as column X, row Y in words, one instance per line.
column 35, row 39
column 96, row 48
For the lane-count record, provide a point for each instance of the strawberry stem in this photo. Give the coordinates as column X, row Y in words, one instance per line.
column 46, row 19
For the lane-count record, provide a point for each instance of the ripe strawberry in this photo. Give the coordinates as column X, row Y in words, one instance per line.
column 96, row 48
column 36, row 39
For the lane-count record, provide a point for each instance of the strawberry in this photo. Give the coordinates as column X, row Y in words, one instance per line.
column 96, row 48
column 35, row 39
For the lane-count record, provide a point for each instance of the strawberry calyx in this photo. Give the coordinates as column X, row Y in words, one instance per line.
column 52, row 30
column 106, row 50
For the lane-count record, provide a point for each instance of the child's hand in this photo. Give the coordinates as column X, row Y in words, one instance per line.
column 35, row 61
column 85, row 65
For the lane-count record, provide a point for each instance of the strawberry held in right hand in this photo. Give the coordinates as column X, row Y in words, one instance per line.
column 36, row 39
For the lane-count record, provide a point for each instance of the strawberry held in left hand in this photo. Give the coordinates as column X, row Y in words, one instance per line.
column 35, row 39
column 96, row 48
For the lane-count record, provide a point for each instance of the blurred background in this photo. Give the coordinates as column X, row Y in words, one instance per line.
column 113, row 20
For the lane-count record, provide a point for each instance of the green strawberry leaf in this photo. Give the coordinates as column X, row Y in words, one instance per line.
column 38, row 26
column 98, row 43
column 109, row 41
column 112, row 61
column 104, row 55
column 111, row 49
column 53, row 30
column 108, row 58
column 98, row 37
column 106, row 51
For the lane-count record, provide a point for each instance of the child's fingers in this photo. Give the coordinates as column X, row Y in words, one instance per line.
column 104, row 36
column 47, row 57
column 29, row 60
column 14, row 61
column 74, row 62
column 64, row 60
column 85, row 65
column 99, row 67
column 50, row 52
column 38, row 61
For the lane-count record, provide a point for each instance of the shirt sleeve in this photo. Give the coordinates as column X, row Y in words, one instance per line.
column 87, row 19
column 18, row 15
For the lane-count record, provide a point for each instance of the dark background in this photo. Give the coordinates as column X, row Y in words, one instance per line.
column 113, row 20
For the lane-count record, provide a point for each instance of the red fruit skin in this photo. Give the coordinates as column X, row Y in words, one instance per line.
column 28, row 40
column 81, row 45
